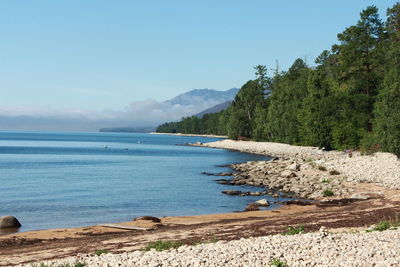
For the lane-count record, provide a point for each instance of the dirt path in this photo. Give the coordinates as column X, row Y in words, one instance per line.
column 49, row 244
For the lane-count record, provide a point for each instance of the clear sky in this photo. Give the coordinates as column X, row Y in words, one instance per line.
column 93, row 54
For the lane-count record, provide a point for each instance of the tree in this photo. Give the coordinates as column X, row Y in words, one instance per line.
column 387, row 108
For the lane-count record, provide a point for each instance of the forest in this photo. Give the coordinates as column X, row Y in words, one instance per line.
column 348, row 99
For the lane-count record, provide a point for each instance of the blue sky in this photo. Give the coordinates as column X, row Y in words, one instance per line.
column 98, row 55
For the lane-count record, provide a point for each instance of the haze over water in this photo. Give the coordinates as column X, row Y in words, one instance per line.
column 55, row 180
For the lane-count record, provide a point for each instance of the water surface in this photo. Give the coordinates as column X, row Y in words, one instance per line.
column 56, row 180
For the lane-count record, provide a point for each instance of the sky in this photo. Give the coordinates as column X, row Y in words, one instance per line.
column 99, row 57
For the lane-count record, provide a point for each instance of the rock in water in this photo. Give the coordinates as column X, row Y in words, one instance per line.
column 252, row 207
column 9, row 222
column 262, row 202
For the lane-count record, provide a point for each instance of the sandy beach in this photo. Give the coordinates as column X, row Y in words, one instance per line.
column 366, row 191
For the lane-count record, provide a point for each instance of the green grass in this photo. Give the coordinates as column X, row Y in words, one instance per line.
column 326, row 181
column 334, row 172
column 101, row 251
column 278, row 263
column 328, row 193
column 322, row 168
column 213, row 239
column 162, row 245
column 385, row 225
column 291, row 230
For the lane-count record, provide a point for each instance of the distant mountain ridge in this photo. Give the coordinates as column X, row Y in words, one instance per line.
column 214, row 109
column 205, row 95
column 196, row 101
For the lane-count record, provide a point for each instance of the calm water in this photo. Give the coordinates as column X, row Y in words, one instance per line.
column 53, row 180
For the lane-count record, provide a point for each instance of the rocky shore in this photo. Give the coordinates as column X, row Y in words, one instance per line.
column 358, row 249
column 309, row 172
column 352, row 191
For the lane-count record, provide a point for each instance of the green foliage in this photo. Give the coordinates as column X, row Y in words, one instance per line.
column 291, row 230
column 278, row 262
column 326, row 181
column 162, row 245
column 328, row 193
column 101, row 251
column 349, row 100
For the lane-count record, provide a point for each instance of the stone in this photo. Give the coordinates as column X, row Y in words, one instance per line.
column 232, row 193
column 288, row 174
column 294, row 167
column 262, row 202
column 148, row 218
column 9, row 222
column 252, row 207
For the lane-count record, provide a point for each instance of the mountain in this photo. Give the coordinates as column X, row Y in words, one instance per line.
column 201, row 96
column 149, row 114
column 214, row 109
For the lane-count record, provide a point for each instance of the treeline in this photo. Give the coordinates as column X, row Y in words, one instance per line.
column 350, row 99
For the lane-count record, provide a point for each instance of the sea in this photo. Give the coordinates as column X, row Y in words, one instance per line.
column 71, row 179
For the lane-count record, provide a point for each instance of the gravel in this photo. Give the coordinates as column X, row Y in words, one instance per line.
column 310, row 249
column 380, row 168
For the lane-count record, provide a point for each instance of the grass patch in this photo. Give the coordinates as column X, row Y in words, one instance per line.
column 326, row 181
column 100, row 251
column 162, row 245
column 322, row 168
column 386, row 224
column 328, row 193
column 334, row 172
column 213, row 239
column 278, row 263
column 291, row 230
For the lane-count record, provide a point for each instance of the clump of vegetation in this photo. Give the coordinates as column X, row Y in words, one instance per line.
column 386, row 224
column 291, row 230
column 101, row 251
column 162, row 245
column 213, row 239
column 334, row 172
column 328, row 193
column 278, row 263
column 322, row 168
column 326, row 181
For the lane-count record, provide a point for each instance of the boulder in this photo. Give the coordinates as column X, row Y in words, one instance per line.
column 148, row 218
column 288, row 174
column 9, row 222
column 252, row 207
column 294, row 167
column 232, row 193
column 262, row 202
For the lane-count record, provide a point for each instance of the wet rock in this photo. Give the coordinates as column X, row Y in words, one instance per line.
column 231, row 192
column 252, row 207
column 225, row 181
column 148, row 218
column 9, row 222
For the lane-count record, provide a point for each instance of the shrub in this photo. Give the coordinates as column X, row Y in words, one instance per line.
column 100, row 251
column 328, row 193
column 291, row 230
column 162, row 245
column 326, row 181
column 278, row 263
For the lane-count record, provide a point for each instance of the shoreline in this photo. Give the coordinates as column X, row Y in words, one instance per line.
column 192, row 135
column 368, row 200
